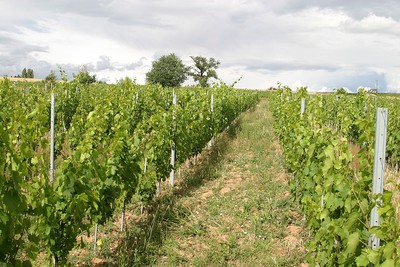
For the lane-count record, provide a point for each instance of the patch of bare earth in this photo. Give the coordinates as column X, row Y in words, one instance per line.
column 279, row 176
column 293, row 241
column 189, row 248
column 216, row 233
column 224, row 190
column 294, row 237
column 207, row 194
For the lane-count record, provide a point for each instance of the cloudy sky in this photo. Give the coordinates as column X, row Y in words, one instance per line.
column 316, row 43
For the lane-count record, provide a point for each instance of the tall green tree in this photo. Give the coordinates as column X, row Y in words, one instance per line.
column 23, row 74
column 27, row 73
column 169, row 71
column 84, row 77
column 30, row 74
column 204, row 69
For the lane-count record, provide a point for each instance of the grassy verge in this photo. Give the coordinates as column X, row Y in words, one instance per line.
column 231, row 208
column 243, row 216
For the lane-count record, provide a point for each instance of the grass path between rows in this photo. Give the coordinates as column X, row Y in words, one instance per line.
column 231, row 207
column 236, row 210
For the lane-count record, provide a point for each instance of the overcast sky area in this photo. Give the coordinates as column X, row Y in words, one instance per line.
column 322, row 44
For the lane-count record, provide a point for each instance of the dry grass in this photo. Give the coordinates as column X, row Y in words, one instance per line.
column 30, row 80
column 22, row 79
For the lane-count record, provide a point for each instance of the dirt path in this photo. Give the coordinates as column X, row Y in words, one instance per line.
column 241, row 214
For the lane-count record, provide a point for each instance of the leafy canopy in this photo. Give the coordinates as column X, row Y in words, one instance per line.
column 204, row 69
column 84, row 77
column 27, row 73
column 51, row 77
column 169, row 71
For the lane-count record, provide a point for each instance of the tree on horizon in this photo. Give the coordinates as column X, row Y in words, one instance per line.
column 169, row 71
column 27, row 73
column 204, row 69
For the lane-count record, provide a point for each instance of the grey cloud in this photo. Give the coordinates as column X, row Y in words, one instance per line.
column 12, row 45
column 354, row 8
column 104, row 63
column 20, row 57
column 16, row 47
column 84, row 67
column 139, row 21
column 33, row 12
column 119, row 12
column 87, row 7
column 136, row 64
column 171, row 25
column 32, row 24
column 16, row 55
column 40, row 68
column 230, row 31
column 363, row 78
column 11, row 25
column 23, row 49
column 276, row 66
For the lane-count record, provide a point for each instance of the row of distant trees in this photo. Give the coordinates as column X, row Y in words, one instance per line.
column 26, row 73
column 83, row 77
column 168, row 71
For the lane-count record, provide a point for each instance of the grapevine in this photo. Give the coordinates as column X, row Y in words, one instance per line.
column 103, row 136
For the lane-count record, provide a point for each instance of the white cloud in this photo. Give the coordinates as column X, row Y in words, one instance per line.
column 393, row 80
column 325, row 89
column 320, row 43
column 373, row 24
column 297, row 84
column 355, row 8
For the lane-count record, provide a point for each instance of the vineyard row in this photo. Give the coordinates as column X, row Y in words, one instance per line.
column 328, row 144
column 112, row 142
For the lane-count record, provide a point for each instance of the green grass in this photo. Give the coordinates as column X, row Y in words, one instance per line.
column 241, row 216
column 232, row 208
